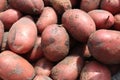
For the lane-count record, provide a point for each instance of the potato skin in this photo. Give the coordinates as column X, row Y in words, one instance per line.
column 9, row 17
column 95, row 71
column 3, row 5
column 22, row 35
column 47, row 17
column 69, row 68
column 104, row 46
column 88, row 5
column 112, row 6
column 102, row 18
column 79, row 24
column 55, row 42
column 27, row 6
column 19, row 68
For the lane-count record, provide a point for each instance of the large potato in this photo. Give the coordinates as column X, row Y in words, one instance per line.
column 55, row 42
column 104, row 46
column 14, row 67
column 22, row 35
column 79, row 24
column 27, row 6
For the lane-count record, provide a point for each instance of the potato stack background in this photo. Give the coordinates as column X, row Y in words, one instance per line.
column 59, row 39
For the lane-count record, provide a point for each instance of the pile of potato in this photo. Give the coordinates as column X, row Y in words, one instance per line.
column 59, row 39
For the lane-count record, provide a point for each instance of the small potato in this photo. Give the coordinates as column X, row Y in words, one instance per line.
column 43, row 67
column 27, row 6
column 14, row 67
column 3, row 5
column 47, row 17
column 61, row 5
column 79, row 24
column 88, row 5
column 55, row 42
column 41, row 77
column 95, row 71
column 117, row 22
column 112, row 6
column 104, row 46
column 22, row 35
column 9, row 17
column 69, row 68
column 102, row 18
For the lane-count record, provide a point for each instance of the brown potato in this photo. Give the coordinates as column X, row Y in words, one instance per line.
column 102, row 18
column 9, row 17
column 22, row 35
column 95, row 71
column 55, row 42
column 47, row 17
column 27, row 6
column 79, row 24
column 14, row 67
column 104, row 46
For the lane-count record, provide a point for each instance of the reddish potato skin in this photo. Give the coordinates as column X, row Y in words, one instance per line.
column 55, row 42
column 102, row 18
column 22, row 35
column 1, row 32
column 95, row 71
column 117, row 22
column 9, row 17
column 3, row 5
column 112, row 6
column 79, row 24
column 88, row 5
column 27, row 6
column 68, row 69
column 43, row 67
column 47, row 17
column 19, row 68
column 104, row 46
column 42, row 77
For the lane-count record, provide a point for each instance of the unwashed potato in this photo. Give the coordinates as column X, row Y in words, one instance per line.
column 43, row 67
column 14, row 67
column 27, row 6
column 102, row 18
column 104, row 46
column 95, row 71
column 3, row 5
column 88, row 5
column 117, row 22
column 9, row 17
column 47, row 17
column 69, row 68
column 112, row 6
column 22, row 35
column 79, row 24
column 42, row 77
column 55, row 42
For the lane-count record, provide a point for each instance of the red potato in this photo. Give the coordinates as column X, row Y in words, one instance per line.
column 43, row 67
column 104, row 46
column 9, row 17
column 69, row 68
column 47, row 17
column 55, row 42
column 1, row 33
column 36, row 53
column 22, row 35
column 95, row 71
column 102, row 18
column 112, row 6
column 19, row 68
column 79, row 24
column 88, row 5
column 41, row 77
column 27, row 6
column 61, row 5
column 117, row 22
column 3, row 5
